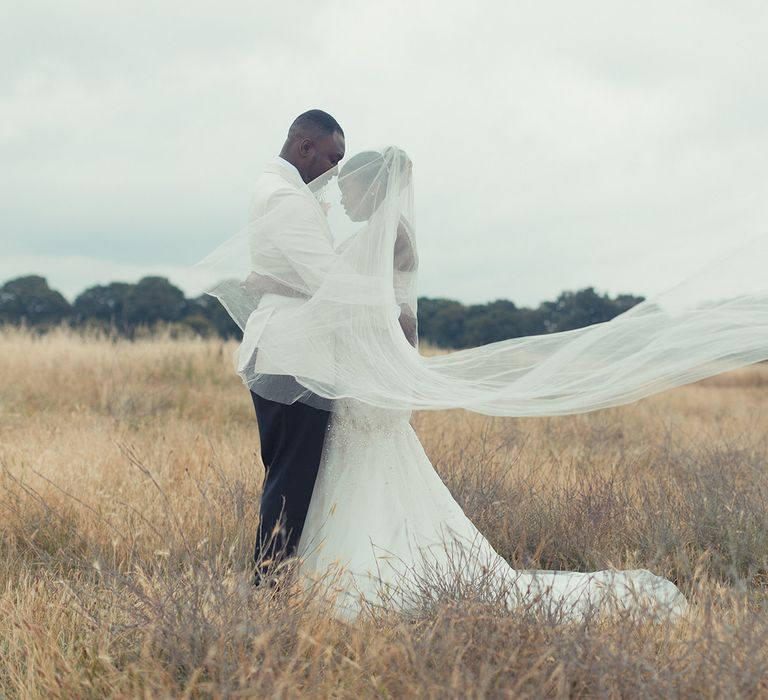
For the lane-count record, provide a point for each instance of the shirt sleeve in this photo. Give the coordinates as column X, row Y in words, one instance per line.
column 299, row 231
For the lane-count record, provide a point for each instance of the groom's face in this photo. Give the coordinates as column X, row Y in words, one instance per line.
column 322, row 155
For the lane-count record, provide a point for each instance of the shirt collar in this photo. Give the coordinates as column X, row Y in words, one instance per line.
column 288, row 170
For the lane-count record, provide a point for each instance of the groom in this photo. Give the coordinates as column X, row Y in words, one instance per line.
column 292, row 435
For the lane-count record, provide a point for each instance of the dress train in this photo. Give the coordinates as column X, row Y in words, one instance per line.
column 383, row 529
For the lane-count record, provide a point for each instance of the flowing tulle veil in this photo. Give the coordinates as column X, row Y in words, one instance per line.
column 345, row 340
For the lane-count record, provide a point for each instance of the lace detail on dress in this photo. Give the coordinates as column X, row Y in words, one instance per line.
column 350, row 416
column 354, row 426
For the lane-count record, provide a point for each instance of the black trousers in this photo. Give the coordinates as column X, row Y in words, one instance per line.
column 292, row 437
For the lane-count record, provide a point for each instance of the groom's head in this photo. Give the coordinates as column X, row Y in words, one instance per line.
column 315, row 144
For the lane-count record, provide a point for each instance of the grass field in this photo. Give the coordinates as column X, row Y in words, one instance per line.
column 129, row 490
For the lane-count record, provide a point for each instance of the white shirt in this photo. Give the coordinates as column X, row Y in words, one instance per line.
column 301, row 251
column 298, row 252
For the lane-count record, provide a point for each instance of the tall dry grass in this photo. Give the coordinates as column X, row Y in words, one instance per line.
column 128, row 504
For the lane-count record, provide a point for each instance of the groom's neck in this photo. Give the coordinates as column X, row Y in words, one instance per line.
column 286, row 155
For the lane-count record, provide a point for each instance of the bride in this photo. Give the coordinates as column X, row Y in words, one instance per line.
column 382, row 528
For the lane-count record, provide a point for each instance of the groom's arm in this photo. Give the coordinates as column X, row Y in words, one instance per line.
column 258, row 284
column 300, row 232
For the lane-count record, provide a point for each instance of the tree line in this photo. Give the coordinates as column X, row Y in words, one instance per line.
column 125, row 308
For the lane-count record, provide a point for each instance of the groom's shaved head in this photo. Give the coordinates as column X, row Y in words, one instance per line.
column 314, row 122
column 315, row 144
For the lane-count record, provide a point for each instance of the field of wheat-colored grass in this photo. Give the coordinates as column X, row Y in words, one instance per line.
column 129, row 487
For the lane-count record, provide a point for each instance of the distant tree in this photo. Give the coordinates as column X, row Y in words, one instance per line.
column 209, row 309
column 624, row 302
column 583, row 308
column 441, row 321
column 499, row 320
column 30, row 300
column 198, row 325
column 531, row 322
column 449, row 324
column 103, row 304
column 153, row 299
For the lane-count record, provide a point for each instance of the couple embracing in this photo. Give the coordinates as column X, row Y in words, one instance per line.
column 323, row 283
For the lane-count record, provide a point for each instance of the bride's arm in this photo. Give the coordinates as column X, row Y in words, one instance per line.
column 405, row 257
column 408, row 324
column 405, row 263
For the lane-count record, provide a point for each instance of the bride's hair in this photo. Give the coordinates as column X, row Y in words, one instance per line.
column 366, row 178
column 361, row 161
column 366, row 159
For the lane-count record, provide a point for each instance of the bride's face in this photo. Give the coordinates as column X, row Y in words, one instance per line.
column 359, row 202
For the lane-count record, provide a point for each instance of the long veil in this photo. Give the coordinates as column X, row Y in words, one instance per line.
column 345, row 326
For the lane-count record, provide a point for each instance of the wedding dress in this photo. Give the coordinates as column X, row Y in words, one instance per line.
column 383, row 530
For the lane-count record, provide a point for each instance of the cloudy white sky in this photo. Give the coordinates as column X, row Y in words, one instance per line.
column 556, row 145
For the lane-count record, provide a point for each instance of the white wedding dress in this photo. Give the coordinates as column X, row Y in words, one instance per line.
column 383, row 530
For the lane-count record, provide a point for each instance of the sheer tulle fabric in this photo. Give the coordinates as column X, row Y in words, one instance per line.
column 334, row 328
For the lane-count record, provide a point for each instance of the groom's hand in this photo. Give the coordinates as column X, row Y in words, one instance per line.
column 263, row 284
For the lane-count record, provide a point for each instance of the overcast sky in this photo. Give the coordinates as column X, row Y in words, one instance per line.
column 556, row 145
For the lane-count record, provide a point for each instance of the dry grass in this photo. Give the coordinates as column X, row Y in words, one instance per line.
column 128, row 503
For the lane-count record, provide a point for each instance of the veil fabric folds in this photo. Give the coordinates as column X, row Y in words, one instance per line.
column 323, row 283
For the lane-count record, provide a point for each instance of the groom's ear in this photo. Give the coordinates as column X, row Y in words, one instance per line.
column 305, row 146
